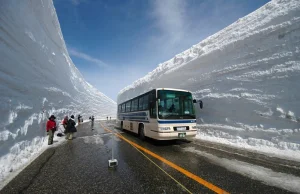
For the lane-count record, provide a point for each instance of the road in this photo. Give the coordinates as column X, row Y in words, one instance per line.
column 81, row 166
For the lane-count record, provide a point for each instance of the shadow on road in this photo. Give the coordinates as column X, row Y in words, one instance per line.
column 155, row 142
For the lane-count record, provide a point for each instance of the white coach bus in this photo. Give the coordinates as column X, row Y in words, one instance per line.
column 161, row 114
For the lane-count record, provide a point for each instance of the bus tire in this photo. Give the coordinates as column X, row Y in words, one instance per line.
column 121, row 126
column 142, row 132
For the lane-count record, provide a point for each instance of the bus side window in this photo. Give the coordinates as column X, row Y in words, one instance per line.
column 141, row 103
column 134, row 105
column 153, row 110
column 145, row 102
column 128, row 105
column 152, row 105
column 123, row 107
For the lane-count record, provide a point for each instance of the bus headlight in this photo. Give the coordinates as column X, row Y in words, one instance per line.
column 164, row 128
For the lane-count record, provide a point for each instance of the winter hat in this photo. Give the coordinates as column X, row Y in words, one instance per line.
column 72, row 116
column 52, row 116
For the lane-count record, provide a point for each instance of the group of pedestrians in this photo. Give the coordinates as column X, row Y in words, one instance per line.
column 68, row 124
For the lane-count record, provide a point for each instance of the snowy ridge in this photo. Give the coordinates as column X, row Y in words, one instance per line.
column 247, row 76
column 37, row 79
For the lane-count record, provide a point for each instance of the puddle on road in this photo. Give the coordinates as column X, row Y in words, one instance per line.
column 98, row 139
column 93, row 140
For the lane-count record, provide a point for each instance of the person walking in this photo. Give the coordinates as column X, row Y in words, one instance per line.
column 92, row 123
column 65, row 123
column 79, row 119
column 51, row 128
column 71, row 128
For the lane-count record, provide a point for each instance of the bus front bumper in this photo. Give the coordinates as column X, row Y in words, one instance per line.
column 174, row 134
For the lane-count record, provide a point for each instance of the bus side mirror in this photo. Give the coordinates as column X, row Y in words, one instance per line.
column 201, row 104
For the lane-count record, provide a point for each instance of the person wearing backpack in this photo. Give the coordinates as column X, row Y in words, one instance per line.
column 71, row 128
column 51, row 128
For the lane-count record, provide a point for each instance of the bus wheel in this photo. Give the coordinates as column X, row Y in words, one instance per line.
column 141, row 132
column 121, row 126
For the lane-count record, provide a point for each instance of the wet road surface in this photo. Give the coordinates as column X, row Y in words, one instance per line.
column 81, row 166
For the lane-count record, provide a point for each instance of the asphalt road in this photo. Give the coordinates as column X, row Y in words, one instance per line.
column 81, row 166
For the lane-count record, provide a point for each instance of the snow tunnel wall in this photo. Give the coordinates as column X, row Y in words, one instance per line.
column 248, row 76
column 37, row 79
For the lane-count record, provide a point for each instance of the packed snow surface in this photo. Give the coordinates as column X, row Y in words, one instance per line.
column 37, row 79
column 247, row 75
column 265, row 175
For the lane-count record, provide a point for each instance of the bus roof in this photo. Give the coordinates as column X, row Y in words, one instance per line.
column 152, row 90
column 172, row 89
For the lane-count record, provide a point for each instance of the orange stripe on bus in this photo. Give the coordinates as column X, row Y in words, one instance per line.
column 171, row 164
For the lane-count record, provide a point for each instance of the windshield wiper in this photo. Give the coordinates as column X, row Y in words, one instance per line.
column 167, row 116
column 188, row 115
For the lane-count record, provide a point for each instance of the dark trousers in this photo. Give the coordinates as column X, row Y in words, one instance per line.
column 92, row 124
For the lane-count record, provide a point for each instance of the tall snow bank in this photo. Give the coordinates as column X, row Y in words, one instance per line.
column 248, row 77
column 37, row 79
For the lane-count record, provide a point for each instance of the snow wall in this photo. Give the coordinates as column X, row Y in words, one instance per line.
column 248, row 76
column 37, row 79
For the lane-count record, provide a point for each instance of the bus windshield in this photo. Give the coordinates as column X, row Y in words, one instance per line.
column 175, row 105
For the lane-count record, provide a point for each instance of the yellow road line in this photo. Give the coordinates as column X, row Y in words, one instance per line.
column 163, row 170
column 171, row 164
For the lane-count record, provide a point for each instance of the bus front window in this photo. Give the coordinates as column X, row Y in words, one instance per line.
column 175, row 105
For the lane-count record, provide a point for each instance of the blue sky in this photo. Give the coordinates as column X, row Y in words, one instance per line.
column 115, row 42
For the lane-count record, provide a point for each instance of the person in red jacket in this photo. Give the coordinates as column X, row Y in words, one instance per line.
column 65, row 122
column 51, row 128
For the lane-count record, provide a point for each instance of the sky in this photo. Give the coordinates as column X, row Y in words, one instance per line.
column 115, row 42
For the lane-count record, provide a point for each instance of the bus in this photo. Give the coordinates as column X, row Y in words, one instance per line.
column 161, row 114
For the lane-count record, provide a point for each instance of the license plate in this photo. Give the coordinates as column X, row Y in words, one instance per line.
column 181, row 128
column 181, row 135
